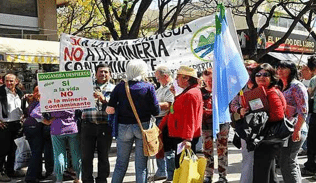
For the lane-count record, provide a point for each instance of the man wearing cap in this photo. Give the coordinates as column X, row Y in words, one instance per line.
column 184, row 121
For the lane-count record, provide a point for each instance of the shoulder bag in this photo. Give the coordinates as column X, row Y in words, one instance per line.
column 278, row 131
column 152, row 144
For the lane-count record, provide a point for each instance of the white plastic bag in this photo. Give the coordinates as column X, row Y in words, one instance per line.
column 22, row 153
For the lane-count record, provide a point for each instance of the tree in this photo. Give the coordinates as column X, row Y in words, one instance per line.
column 120, row 19
column 297, row 10
column 81, row 18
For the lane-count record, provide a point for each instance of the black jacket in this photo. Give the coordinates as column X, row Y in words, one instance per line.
column 4, row 101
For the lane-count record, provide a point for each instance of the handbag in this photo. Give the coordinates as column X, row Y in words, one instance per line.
column 152, row 144
column 191, row 168
column 278, row 131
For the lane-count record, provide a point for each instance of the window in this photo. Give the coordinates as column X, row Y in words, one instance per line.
column 19, row 7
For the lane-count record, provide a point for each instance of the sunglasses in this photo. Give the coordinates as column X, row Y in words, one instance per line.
column 266, row 74
column 206, row 72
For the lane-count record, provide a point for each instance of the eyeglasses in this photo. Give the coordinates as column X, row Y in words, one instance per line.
column 266, row 74
column 206, row 72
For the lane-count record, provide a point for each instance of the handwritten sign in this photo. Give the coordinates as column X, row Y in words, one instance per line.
column 65, row 90
column 191, row 44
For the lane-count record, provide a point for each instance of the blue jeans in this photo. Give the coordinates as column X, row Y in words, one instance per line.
column 60, row 157
column 166, row 165
column 127, row 134
column 288, row 160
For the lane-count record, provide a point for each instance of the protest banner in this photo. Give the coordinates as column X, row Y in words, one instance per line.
column 65, row 90
column 191, row 44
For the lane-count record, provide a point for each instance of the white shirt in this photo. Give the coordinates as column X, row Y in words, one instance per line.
column 14, row 107
column 164, row 94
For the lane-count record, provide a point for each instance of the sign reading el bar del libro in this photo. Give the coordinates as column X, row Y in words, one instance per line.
column 65, row 90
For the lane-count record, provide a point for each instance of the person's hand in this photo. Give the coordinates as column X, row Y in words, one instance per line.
column 296, row 136
column 208, row 111
column 99, row 96
column 172, row 89
column 244, row 111
column 187, row 144
column 110, row 110
column 3, row 125
column 48, row 122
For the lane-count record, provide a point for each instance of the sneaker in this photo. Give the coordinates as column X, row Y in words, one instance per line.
column 306, row 172
column 154, row 178
column 207, row 180
column 4, row 177
column 222, row 180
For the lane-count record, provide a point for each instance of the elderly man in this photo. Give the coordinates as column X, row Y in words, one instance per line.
column 10, row 125
column 165, row 98
column 95, row 129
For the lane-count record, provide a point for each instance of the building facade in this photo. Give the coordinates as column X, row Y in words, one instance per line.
column 28, row 38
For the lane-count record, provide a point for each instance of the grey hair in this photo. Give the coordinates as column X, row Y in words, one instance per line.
column 163, row 70
column 136, row 70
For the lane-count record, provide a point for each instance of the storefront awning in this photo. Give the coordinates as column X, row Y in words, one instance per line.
column 29, row 51
column 290, row 56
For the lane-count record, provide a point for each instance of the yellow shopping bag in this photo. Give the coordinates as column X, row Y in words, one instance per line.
column 191, row 168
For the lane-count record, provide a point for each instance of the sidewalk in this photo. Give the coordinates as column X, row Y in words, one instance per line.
column 234, row 167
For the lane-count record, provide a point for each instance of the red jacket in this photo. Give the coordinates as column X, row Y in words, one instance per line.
column 277, row 104
column 186, row 121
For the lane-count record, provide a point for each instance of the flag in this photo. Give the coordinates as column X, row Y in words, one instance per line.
column 229, row 72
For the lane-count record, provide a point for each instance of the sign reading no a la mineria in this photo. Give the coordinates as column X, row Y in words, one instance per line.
column 65, row 90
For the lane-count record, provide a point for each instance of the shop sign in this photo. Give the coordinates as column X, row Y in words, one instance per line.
column 65, row 90
column 294, row 43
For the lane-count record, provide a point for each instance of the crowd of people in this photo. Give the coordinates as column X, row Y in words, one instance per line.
column 181, row 107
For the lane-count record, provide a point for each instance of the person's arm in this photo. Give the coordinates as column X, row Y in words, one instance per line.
column 164, row 105
column 63, row 114
column 301, row 99
column 235, row 105
column 312, row 87
column 277, row 105
column 155, row 108
column 36, row 112
column 189, row 114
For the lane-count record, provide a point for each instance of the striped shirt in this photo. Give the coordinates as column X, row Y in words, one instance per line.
column 98, row 113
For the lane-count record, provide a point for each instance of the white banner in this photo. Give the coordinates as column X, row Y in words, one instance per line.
column 191, row 44
column 65, row 90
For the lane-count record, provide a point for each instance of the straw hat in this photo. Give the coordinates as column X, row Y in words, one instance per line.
column 188, row 71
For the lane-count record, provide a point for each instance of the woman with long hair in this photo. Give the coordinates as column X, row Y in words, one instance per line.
column 296, row 97
column 264, row 76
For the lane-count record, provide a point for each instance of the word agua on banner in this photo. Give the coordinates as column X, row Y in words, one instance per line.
column 65, row 90
column 191, row 44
